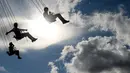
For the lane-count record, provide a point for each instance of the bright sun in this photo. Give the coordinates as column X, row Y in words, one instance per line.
column 42, row 29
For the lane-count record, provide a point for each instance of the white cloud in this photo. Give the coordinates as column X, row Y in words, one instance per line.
column 2, row 69
column 99, row 55
column 65, row 51
column 54, row 69
column 117, row 23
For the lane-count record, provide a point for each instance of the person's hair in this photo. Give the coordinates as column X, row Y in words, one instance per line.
column 10, row 43
column 15, row 24
column 46, row 9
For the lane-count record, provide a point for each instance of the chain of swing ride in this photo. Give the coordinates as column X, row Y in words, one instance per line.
column 10, row 17
column 7, row 18
column 39, row 4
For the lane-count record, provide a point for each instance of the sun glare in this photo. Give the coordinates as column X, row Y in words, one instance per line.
column 41, row 28
column 46, row 33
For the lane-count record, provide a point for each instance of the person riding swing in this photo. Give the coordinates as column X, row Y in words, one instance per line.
column 51, row 17
column 19, row 35
column 13, row 51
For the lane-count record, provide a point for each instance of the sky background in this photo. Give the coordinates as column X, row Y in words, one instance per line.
column 93, row 42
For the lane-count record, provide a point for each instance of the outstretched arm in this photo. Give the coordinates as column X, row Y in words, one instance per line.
column 9, row 32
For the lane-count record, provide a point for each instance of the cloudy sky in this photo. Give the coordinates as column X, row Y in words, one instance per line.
column 96, row 40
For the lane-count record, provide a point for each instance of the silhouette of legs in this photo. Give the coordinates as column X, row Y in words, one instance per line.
column 9, row 53
column 18, row 37
column 61, row 18
column 16, row 52
column 29, row 36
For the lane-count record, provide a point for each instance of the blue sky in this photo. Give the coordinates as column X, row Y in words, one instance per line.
column 36, row 61
column 101, row 5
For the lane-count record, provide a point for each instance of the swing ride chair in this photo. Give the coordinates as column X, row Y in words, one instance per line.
column 51, row 17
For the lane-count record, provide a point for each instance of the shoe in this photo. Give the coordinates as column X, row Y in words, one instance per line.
column 19, row 57
column 34, row 40
column 65, row 21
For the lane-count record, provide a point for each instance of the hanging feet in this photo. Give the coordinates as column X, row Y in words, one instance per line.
column 34, row 39
column 65, row 22
column 19, row 57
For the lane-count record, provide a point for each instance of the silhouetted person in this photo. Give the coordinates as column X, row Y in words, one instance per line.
column 51, row 17
column 19, row 35
column 13, row 51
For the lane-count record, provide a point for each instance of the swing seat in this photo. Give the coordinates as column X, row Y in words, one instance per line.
column 18, row 37
column 51, row 20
